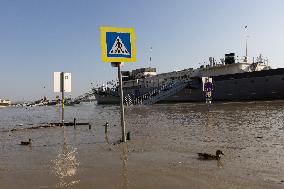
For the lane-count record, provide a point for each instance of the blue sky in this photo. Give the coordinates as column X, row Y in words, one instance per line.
column 39, row 37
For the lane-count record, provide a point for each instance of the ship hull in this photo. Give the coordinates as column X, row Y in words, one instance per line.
column 249, row 86
column 107, row 99
column 4, row 105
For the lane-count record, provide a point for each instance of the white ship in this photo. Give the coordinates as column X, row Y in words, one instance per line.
column 5, row 103
column 233, row 79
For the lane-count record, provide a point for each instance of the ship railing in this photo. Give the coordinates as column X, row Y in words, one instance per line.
column 157, row 94
column 166, row 94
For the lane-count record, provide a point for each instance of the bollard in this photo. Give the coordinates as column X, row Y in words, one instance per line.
column 128, row 136
column 74, row 123
column 90, row 126
column 106, row 125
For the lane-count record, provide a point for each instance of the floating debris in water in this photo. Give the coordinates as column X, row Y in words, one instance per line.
column 26, row 143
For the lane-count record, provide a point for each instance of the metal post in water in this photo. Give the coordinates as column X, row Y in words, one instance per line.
column 62, row 101
column 74, row 123
column 106, row 125
column 118, row 65
column 121, row 103
column 128, row 136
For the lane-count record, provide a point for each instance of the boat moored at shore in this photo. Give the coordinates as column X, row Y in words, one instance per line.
column 233, row 79
column 5, row 103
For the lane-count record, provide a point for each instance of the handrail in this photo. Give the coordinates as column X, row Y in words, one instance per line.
column 157, row 94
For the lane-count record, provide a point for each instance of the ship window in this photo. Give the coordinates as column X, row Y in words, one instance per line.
column 282, row 78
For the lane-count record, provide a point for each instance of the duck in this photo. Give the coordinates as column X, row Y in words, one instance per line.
column 25, row 143
column 206, row 156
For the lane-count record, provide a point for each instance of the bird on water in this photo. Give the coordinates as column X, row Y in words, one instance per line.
column 206, row 156
column 26, row 142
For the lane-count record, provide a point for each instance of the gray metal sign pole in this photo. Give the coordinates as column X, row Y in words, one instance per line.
column 62, row 101
column 118, row 65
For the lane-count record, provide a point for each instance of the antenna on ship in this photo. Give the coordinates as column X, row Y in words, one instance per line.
column 150, row 59
column 247, row 36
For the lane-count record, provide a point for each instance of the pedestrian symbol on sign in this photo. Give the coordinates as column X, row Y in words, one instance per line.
column 118, row 47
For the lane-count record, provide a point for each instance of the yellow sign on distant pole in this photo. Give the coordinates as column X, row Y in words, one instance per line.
column 118, row 44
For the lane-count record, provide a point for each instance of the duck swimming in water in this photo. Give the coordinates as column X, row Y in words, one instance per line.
column 206, row 156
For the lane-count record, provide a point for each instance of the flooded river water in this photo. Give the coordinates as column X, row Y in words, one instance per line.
column 162, row 152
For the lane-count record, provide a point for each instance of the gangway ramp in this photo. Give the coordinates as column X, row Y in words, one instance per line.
column 159, row 94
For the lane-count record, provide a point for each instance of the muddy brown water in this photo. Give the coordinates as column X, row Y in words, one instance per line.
column 162, row 153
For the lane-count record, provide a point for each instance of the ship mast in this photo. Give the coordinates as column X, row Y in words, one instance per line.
column 246, row 49
column 150, row 56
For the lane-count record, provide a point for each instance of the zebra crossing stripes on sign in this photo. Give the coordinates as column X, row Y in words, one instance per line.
column 119, row 48
column 118, row 44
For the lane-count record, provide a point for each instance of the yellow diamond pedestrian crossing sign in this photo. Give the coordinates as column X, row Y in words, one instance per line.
column 118, row 44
